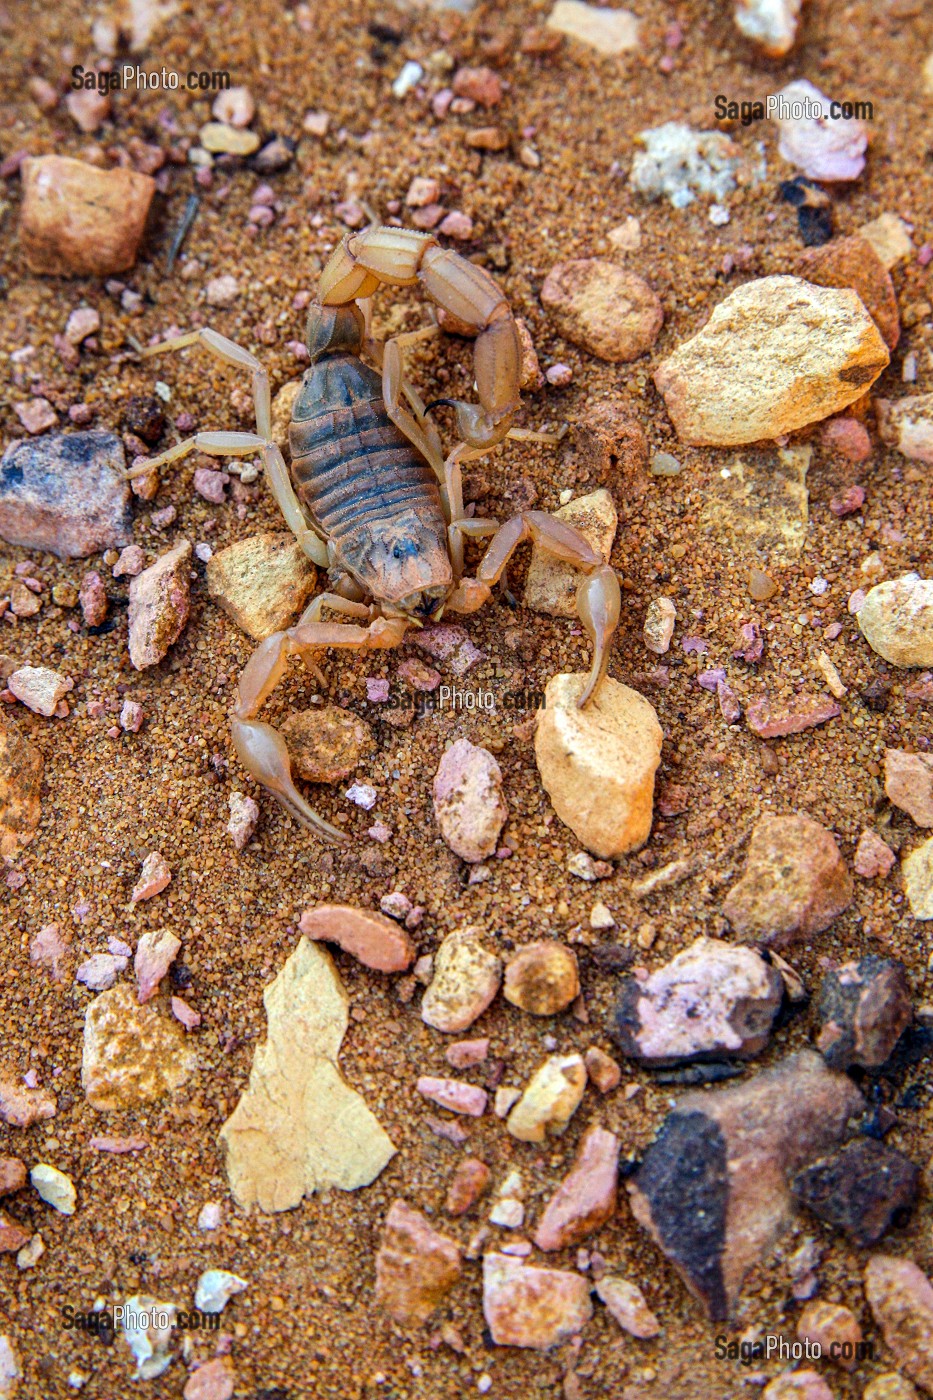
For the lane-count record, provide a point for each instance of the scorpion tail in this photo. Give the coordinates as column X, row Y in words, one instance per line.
column 262, row 751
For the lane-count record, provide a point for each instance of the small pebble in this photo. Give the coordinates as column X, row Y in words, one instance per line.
column 234, row 107
column 153, row 878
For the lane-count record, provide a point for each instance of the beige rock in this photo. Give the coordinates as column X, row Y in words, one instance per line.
column 761, row 508
column 39, row 688
column 896, row 620
column 466, row 979
column 628, row 1306
column 21, row 766
column 415, row 1266
column 917, row 874
column 795, row 882
column 55, row 1188
column 890, row 238
column 327, row 743
column 907, row 424
column 770, row 24
column 261, row 583
column 299, row 1128
column 598, row 764
column 901, row 1300
column 776, row 354
column 132, row 1054
column 160, row 600
column 603, row 308
column 908, row 783
column 609, row 31
column 659, row 625
column 80, row 221
column 11, row 1371
column 797, row 1385
column 21, row 1106
column 221, row 139
column 542, row 978
column 889, row 1386
column 551, row 585
column 371, row 938
column 550, row 1100
column 529, row 1307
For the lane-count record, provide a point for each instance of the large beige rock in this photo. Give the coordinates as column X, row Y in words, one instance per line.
column 299, row 1127
column 896, row 620
column 261, row 583
column 132, row 1054
column 776, row 354
column 77, row 220
column 598, row 764
column 551, row 585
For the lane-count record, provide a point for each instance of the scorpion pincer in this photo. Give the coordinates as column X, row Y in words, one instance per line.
column 371, row 496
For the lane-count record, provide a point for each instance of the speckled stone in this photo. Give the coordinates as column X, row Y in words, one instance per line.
column 529, row 1307
column 64, row 493
column 132, row 1054
column 416, row 1266
column 21, row 767
column 795, row 882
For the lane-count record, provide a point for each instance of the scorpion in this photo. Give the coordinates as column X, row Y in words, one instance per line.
column 371, row 497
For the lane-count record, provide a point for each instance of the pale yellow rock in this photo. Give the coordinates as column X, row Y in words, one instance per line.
column 465, row 981
column 890, row 238
column 299, row 1127
column 551, row 585
column 757, row 504
column 776, row 354
column 598, row 764
column 907, row 424
column 282, row 406
column 261, row 582
column 550, row 1100
column 132, row 1054
column 917, row 874
column 608, row 31
column 222, row 139
column 896, row 620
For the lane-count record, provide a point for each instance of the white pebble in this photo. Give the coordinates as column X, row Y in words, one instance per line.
column 409, row 77
column 718, row 215
column 363, row 795
column 215, row 1289
column 55, row 1188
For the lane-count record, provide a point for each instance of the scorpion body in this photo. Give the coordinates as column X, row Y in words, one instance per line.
column 371, row 496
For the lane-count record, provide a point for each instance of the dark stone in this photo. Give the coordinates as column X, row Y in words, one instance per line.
column 65, row 493
column 713, row 1073
column 865, row 1007
column 876, row 695
column 144, row 417
column 814, row 209
column 276, row 155
column 862, row 1189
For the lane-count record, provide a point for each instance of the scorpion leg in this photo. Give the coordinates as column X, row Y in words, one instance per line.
column 598, row 595
column 261, row 748
column 233, row 354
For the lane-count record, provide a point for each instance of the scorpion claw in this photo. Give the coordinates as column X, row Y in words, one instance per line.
column 262, row 751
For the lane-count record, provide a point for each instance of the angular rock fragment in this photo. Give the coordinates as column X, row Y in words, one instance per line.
column 853, row 262
column 468, row 800
column 262, row 582
column 530, row 1307
column 598, row 764
column 78, row 220
column 907, row 424
column 132, row 1054
column 865, row 1007
column 160, row 600
column 550, row 1099
column 628, row 1306
column 603, row 308
column 713, row 1187
column 244, row 816
column 12, row 1237
column 896, row 620
column 21, row 1106
column 795, row 882
column 65, row 493
column 901, row 1300
column 550, row 584
column 39, row 688
column 586, row 1198
column 415, row 1266
column 770, row 24
column 371, row 938
column 465, row 981
column 771, row 719
column 55, row 1188
column 21, row 766
column 713, row 999
column 298, row 1127
column 862, row 1189
column 873, row 857
column 155, row 953
column 776, row 354
column 908, row 783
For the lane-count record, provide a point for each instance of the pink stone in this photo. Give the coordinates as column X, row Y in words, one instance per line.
column 749, row 644
column 709, row 680
column 908, row 784
column 448, row 1129
column 847, row 436
column 132, row 561
column 586, row 1198
column 82, row 322
column 371, row 938
column 873, row 857
column 49, row 948
column 244, row 815
column 377, row 690
column 118, row 1145
column 468, row 801
column 729, row 706
column 39, row 688
column 211, row 484
column 131, row 717
column 798, row 1385
column 462, row 1054
column 415, row 1266
column 88, row 109
column 213, row 1380
column 454, row 1094
column 429, row 217
column 160, row 601
column 155, row 953
column 529, row 1307
column 602, row 1069
column 422, row 190
column 457, row 225
column 468, row 1183
column 418, row 675
column 21, row 1106
column 350, row 213
column 770, row 720
column 446, row 642
column 480, row 85
column 100, row 971
column 186, row 1014
column 628, row 1306
column 153, row 878
column 93, row 599
column 440, row 105
column 36, row 415
column 848, row 502
column 559, row 376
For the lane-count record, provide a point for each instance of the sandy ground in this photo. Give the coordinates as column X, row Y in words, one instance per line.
column 307, row 1325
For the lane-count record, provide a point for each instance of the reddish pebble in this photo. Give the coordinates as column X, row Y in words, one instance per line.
column 429, row 217
column 454, row 1094
column 153, row 878
column 131, row 717
column 586, row 1198
column 467, row 1184
column 771, row 719
column 80, row 414
column 93, row 599
column 186, row 1014
column 118, row 1145
column 847, row 436
column 602, row 1069
column 479, row 85
column 925, row 255
column 873, row 857
column 132, row 561
column 849, row 501
column 559, row 375
column 457, row 225
column 36, row 415
column 12, row 1175
column 211, row 484
column 213, row 1380
column 372, row 939
column 464, row 1053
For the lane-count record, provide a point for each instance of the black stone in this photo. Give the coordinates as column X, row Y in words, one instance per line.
column 862, row 1189
column 712, row 1073
column 144, row 417
column 876, row 694
column 865, row 1007
column 685, row 1181
column 814, row 209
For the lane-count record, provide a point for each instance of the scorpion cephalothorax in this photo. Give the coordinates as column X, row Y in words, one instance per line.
column 371, row 496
